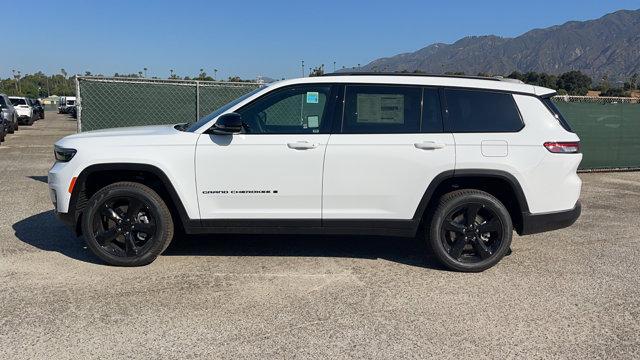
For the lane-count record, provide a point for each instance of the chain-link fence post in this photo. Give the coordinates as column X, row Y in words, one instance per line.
column 197, row 100
column 78, row 104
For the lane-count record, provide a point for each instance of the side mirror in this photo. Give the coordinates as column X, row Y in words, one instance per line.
column 228, row 124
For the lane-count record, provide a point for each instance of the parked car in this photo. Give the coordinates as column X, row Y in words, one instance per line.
column 66, row 103
column 23, row 108
column 73, row 111
column 9, row 113
column 4, row 127
column 468, row 159
column 37, row 108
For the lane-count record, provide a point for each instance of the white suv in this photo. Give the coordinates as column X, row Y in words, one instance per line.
column 23, row 109
column 467, row 159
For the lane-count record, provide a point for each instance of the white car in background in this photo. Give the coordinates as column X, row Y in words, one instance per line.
column 66, row 103
column 23, row 109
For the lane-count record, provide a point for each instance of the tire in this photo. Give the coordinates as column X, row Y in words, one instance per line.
column 15, row 124
column 115, row 235
column 456, row 233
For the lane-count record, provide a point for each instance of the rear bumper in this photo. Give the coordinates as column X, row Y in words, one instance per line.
column 537, row 223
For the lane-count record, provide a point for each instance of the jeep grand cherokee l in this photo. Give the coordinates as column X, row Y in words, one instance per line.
column 467, row 159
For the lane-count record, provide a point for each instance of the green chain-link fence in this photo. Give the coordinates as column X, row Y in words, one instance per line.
column 609, row 128
column 118, row 102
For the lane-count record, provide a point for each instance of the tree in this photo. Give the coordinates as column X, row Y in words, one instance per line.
column 203, row 76
column 38, row 85
column 634, row 81
column 574, row 82
column 616, row 92
column 317, row 71
column 516, row 75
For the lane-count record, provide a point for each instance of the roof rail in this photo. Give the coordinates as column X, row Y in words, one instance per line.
column 351, row 73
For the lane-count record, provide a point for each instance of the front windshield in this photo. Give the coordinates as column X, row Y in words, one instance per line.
column 194, row 126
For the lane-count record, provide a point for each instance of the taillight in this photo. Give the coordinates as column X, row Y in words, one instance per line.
column 563, row 147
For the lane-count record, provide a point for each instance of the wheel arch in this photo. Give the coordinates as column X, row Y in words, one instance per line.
column 498, row 183
column 95, row 177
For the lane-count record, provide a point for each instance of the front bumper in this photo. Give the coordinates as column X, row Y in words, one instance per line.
column 68, row 219
column 537, row 223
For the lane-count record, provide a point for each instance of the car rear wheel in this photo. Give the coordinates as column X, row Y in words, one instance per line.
column 470, row 231
column 127, row 224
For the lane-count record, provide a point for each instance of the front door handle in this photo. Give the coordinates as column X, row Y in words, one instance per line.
column 429, row 145
column 302, row 145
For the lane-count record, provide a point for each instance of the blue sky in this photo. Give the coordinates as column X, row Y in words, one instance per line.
column 250, row 38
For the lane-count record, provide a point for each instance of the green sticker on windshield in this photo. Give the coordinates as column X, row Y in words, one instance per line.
column 312, row 97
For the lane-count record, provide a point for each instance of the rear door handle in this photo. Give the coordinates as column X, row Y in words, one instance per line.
column 302, row 145
column 429, row 145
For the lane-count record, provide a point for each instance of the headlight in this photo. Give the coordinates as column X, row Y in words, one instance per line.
column 63, row 154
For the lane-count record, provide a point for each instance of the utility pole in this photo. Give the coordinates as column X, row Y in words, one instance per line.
column 302, row 68
column 15, row 77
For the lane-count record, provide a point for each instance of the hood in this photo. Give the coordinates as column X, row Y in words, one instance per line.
column 126, row 131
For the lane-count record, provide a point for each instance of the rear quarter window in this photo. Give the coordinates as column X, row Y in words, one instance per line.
column 557, row 114
column 482, row 111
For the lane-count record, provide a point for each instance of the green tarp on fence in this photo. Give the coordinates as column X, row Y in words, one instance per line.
column 109, row 103
column 609, row 132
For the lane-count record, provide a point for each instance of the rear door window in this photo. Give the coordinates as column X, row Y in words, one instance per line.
column 381, row 109
column 482, row 111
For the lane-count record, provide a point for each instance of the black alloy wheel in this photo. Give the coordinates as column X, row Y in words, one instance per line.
column 127, row 224
column 470, row 231
column 124, row 226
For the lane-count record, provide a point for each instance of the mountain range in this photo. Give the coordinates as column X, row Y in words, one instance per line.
column 608, row 46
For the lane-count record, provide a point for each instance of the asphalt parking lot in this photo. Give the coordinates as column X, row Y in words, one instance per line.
column 569, row 294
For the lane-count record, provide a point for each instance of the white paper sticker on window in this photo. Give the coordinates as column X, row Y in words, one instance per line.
column 380, row 108
column 313, row 121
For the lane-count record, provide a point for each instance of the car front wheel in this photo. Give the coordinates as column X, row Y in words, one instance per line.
column 127, row 224
column 470, row 230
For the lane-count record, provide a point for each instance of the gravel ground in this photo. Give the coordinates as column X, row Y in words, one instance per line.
column 568, row 294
